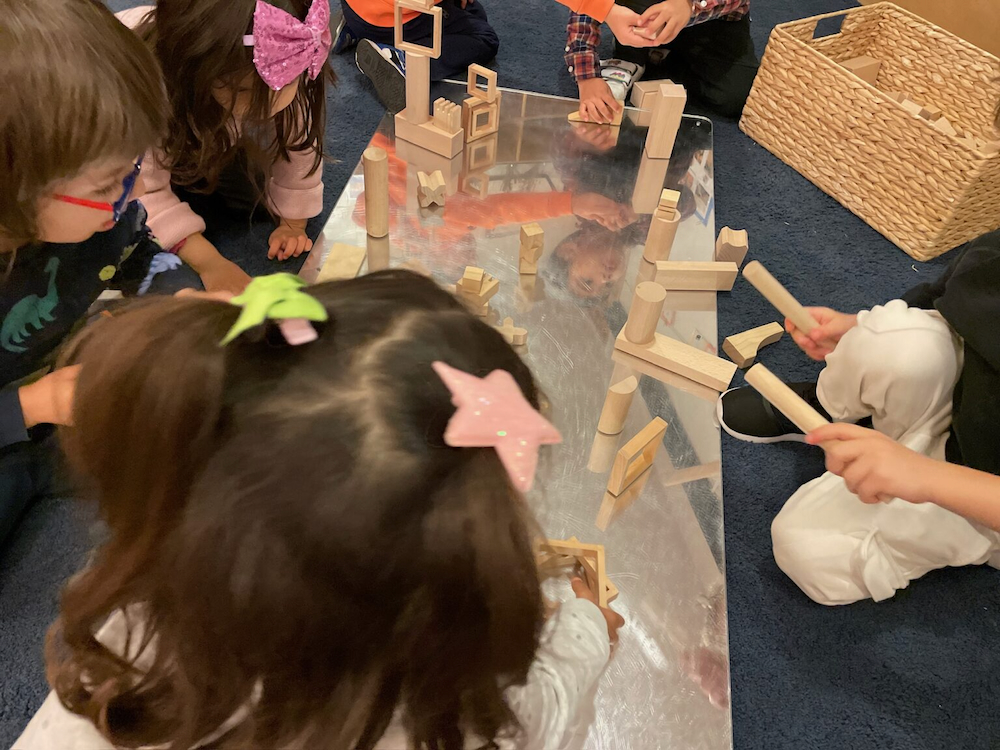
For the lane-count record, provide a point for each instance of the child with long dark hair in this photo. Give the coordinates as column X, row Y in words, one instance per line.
column 317, row 532
column 246, row 81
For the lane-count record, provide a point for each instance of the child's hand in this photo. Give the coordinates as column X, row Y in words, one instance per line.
column 289, row 240
column 623, row 23
column 597, row 103
column 223, row 275
column 614, row 620
column 824, row 338
column 874, row 467
column 49, row 400
column 661, row 23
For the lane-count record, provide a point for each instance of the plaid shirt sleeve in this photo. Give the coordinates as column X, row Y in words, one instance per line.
column 583, row 35
column 709, row 10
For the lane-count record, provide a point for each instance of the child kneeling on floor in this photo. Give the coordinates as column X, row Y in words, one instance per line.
column 353, row 580
column 921, row 491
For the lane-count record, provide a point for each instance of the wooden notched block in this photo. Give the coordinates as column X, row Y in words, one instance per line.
column 512, row 334
column 480, row 118
column 431, row 189
column 475, row 73
column 636, row 456
column 864, row 67
column 532, row 247
column 429, row 136
column 742, row 348
column 375, row 163
column 732, row 245
column 447, row 115
column 668, row 109
column 784, row 399
column 420, row 7
column 778, row 296
column 696, row 275
column 344, row 262
column 616, row 406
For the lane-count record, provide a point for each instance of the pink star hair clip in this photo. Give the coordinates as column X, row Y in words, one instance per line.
column 493, row 413
column 285, row 47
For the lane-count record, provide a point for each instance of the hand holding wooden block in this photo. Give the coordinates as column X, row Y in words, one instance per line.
column 784, row 399
column 778, row 296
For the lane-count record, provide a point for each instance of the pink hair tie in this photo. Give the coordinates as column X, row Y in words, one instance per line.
column 285, row 47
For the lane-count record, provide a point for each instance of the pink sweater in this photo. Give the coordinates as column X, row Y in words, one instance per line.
column 294, row 191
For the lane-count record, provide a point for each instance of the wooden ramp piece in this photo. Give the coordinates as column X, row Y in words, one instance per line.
column 344, row 262
column 742, row 348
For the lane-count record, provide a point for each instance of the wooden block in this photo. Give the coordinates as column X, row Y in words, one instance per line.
column 682, row 359
column 644, row 314
column 742, row 348
column 590, row 568
column 945, row 126
column 481, row 153
column 778, row 296
column 480, row 118
column 378, row 253
column 613, row 506
column 478, row 302
column 574, row 116
column 672, row 379
column 344, row 262
column 896, row 96
column 912, row 107
column 648, row 181
column 512, row 334
column 636, row 456
column 532, row 247
column 431, row 189
column 418, row 89
column 420, row 7
column 866, row 68
column 375, row 163
column 447, row 115
column 660, row 238
column 418, row 158
column 616, row 406
column 696, row 275
column 472, row 280
column 476, row 185
column 472, row 84
column 667, row 112
column 578, row 550
column 784, row 399
column 732, row 245
column 669, row 199
column 930, row 112
column 429, row 136
column 641, row 90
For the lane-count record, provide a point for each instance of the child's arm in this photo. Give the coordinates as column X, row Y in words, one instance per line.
column 295, row 193
column 877, row 468
column 665, row 20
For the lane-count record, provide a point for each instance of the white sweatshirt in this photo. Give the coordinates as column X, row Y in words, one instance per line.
column 573, row 652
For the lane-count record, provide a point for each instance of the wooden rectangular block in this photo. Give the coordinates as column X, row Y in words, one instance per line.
column 864, row 67
column 669, row 200
column 643, row 93
column 742, row 348
column 429, row 136
column 672, row 379
column 668, row 110
column 696, row 275
column 343, row 262
column 682, row 359
column 472, row 84
column 636, row 456
column 472, row 280
column 420, row 7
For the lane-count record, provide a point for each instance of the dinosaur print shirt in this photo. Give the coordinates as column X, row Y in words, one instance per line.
column 48, row 289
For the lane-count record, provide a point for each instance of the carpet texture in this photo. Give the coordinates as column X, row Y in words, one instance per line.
column 919, row 672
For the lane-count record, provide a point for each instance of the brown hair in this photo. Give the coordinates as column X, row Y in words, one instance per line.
column 200, row 45
column 78, row 88
column 299, row 538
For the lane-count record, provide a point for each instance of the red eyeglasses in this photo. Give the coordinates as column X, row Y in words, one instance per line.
column 118, row 207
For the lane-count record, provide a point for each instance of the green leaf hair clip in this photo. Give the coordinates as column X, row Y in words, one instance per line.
column 278, row 297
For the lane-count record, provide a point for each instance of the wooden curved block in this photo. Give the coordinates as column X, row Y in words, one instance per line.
column 742, row 348
column 616, row 406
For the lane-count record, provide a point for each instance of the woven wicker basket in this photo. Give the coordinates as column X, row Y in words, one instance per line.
column 923, row 189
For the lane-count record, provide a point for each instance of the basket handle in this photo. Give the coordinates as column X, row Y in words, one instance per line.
column 805, row 29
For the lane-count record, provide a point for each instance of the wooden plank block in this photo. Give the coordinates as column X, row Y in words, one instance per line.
column 732, row 245
column 742, row 348
column 472, row 83
column 648, row 181
column 429, row 136
column 784, row 399
column 375, row 163
column 644, row 314
column 616, row 406
column 685, row 385
column 696, row 275
column 778, row 296
column 667, row 112
column 344, row 262
column 636, row 456
column 437, row 20
column 864, row 67
column 574, row 116
column 682, row 359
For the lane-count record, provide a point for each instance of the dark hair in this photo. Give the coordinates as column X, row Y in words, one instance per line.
column 78, row 88
column 200, row 45
column 297, row 535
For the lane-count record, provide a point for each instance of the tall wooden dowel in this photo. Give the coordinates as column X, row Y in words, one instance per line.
column 778, row 296
column 647, row 306
column 660, row 239
column 418, row 88
column 375, row 162
column 616, row 406
column 784, row 399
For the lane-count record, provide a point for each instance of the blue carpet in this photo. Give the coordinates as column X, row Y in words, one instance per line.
column 919, row 672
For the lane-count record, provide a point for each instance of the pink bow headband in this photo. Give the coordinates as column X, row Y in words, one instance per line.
column 285, row 47
column 493, row 413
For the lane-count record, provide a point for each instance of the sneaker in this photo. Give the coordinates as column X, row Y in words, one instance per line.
column 385, row 66
column 746, row 415
column 343, row 37
column 620, row 75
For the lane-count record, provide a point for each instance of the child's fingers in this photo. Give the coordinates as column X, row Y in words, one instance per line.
column 836, row 431
column 582, row 590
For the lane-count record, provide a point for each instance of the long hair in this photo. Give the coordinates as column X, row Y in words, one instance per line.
column 296, row 534
column 78, row 89
column 199, row 44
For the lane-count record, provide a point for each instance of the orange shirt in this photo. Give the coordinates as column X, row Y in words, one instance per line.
column 379, row 12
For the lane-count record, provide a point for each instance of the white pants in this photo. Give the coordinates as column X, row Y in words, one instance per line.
column 899, row 366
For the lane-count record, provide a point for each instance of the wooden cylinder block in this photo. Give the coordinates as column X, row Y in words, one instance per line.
column 616, row 406
column 784, row 399
column 375, row 162
column 647, row 306
column 418, row 88
column 660, row 239
column 778, row 296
